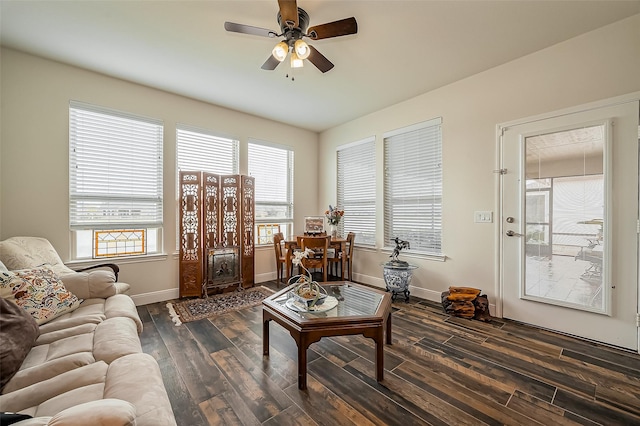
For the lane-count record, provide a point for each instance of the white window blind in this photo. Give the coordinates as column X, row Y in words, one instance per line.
column 272, row 168
column 413, row 186
column 200, row 150
column 115, row 169
column 357, row 190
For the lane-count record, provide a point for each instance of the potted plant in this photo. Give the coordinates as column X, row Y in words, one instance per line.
column 307, row 291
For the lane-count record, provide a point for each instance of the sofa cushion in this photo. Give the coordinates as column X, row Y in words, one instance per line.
column 39, row 291
column 29, row 375
column 53, row 395
column 112, row 412
column 18, row 333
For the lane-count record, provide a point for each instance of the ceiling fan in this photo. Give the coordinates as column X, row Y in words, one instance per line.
column 293, row 23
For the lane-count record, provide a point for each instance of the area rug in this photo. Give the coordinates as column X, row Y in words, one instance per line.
column 196, row 309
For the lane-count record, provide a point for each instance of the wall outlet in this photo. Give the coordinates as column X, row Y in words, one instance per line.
column 483, row 217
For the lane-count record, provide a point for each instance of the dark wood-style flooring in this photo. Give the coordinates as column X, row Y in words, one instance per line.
column 440, row 370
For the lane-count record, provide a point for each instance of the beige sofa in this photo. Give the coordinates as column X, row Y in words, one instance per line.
column 76, row 356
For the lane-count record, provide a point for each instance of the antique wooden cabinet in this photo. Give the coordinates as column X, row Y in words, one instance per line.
column 216, row 217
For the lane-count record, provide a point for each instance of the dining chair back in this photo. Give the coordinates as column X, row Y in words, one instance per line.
column 351, row 239
column 320, row 247
column 281, row 259
column 335, row 262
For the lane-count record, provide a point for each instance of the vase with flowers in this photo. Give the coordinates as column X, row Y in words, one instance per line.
column 307, row 292
column 334, row 215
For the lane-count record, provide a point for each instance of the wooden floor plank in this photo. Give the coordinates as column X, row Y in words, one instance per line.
column 184, row 407
column 227, row 409
column 372, row 404
column 443, row 368
column 498, row 354
column 325, row 407
column 200, row 375
column 457, row 395
column 423, row 404
column 594, row 410
column 263, row 397
column 494, row 370
column 627, row 367
column 208, row 335
column 541, row 411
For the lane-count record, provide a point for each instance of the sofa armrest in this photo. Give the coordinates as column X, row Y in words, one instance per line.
column 99, row 283
column 115, row 268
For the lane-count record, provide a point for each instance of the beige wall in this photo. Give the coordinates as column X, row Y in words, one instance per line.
column 597, row 65
column 34, row 156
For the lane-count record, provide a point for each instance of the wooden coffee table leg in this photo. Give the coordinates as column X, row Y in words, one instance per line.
column 379, row 339
column 265, row 336
column 389, row 342
column 302, row 362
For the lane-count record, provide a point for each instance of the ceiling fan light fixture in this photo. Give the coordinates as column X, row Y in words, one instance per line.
column 296, row 61
column 302, row 49
column 280, row 51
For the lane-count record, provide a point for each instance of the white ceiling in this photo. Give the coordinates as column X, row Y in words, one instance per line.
column 402, row 49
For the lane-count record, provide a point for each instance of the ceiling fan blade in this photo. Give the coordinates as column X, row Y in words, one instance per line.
column 248, row 29
column 270, row 64
column 289, row 12
column 319, row 60
column 334, row 29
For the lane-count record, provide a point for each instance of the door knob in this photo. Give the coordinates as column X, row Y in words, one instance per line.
column 511, row 233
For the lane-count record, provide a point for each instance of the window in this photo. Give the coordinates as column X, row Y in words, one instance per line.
column 413, row 186
column 200, row 150
column 272, row 167
column 115, row 182
column 357, row 190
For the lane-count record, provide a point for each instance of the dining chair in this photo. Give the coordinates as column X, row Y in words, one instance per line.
column 320, row 247
column 348, row 254
column 281, row 258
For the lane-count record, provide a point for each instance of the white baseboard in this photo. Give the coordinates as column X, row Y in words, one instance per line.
column 174, row 293
column 422, row 293
column 156, row 296
column 269, row 276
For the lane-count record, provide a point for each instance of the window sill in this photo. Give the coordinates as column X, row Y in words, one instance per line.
column 418, row 255
column 119, row 260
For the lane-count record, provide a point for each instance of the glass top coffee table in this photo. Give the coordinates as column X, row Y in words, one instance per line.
column 354, row 309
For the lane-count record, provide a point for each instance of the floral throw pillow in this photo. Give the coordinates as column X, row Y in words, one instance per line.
column 39, row 291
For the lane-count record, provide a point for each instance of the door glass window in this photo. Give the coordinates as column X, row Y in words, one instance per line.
column 565, row 217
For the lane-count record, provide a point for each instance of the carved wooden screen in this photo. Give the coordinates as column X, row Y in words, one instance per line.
column 247, row 230
column 215, row 212
column 230, row 210
column 191, row 253
column 211, row 211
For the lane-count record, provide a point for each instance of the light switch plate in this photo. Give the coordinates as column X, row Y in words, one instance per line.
column 483, row 217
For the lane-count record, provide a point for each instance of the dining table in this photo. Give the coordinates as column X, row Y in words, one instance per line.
column 338, row 243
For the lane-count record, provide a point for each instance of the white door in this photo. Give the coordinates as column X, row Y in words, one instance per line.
column 569, row 223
